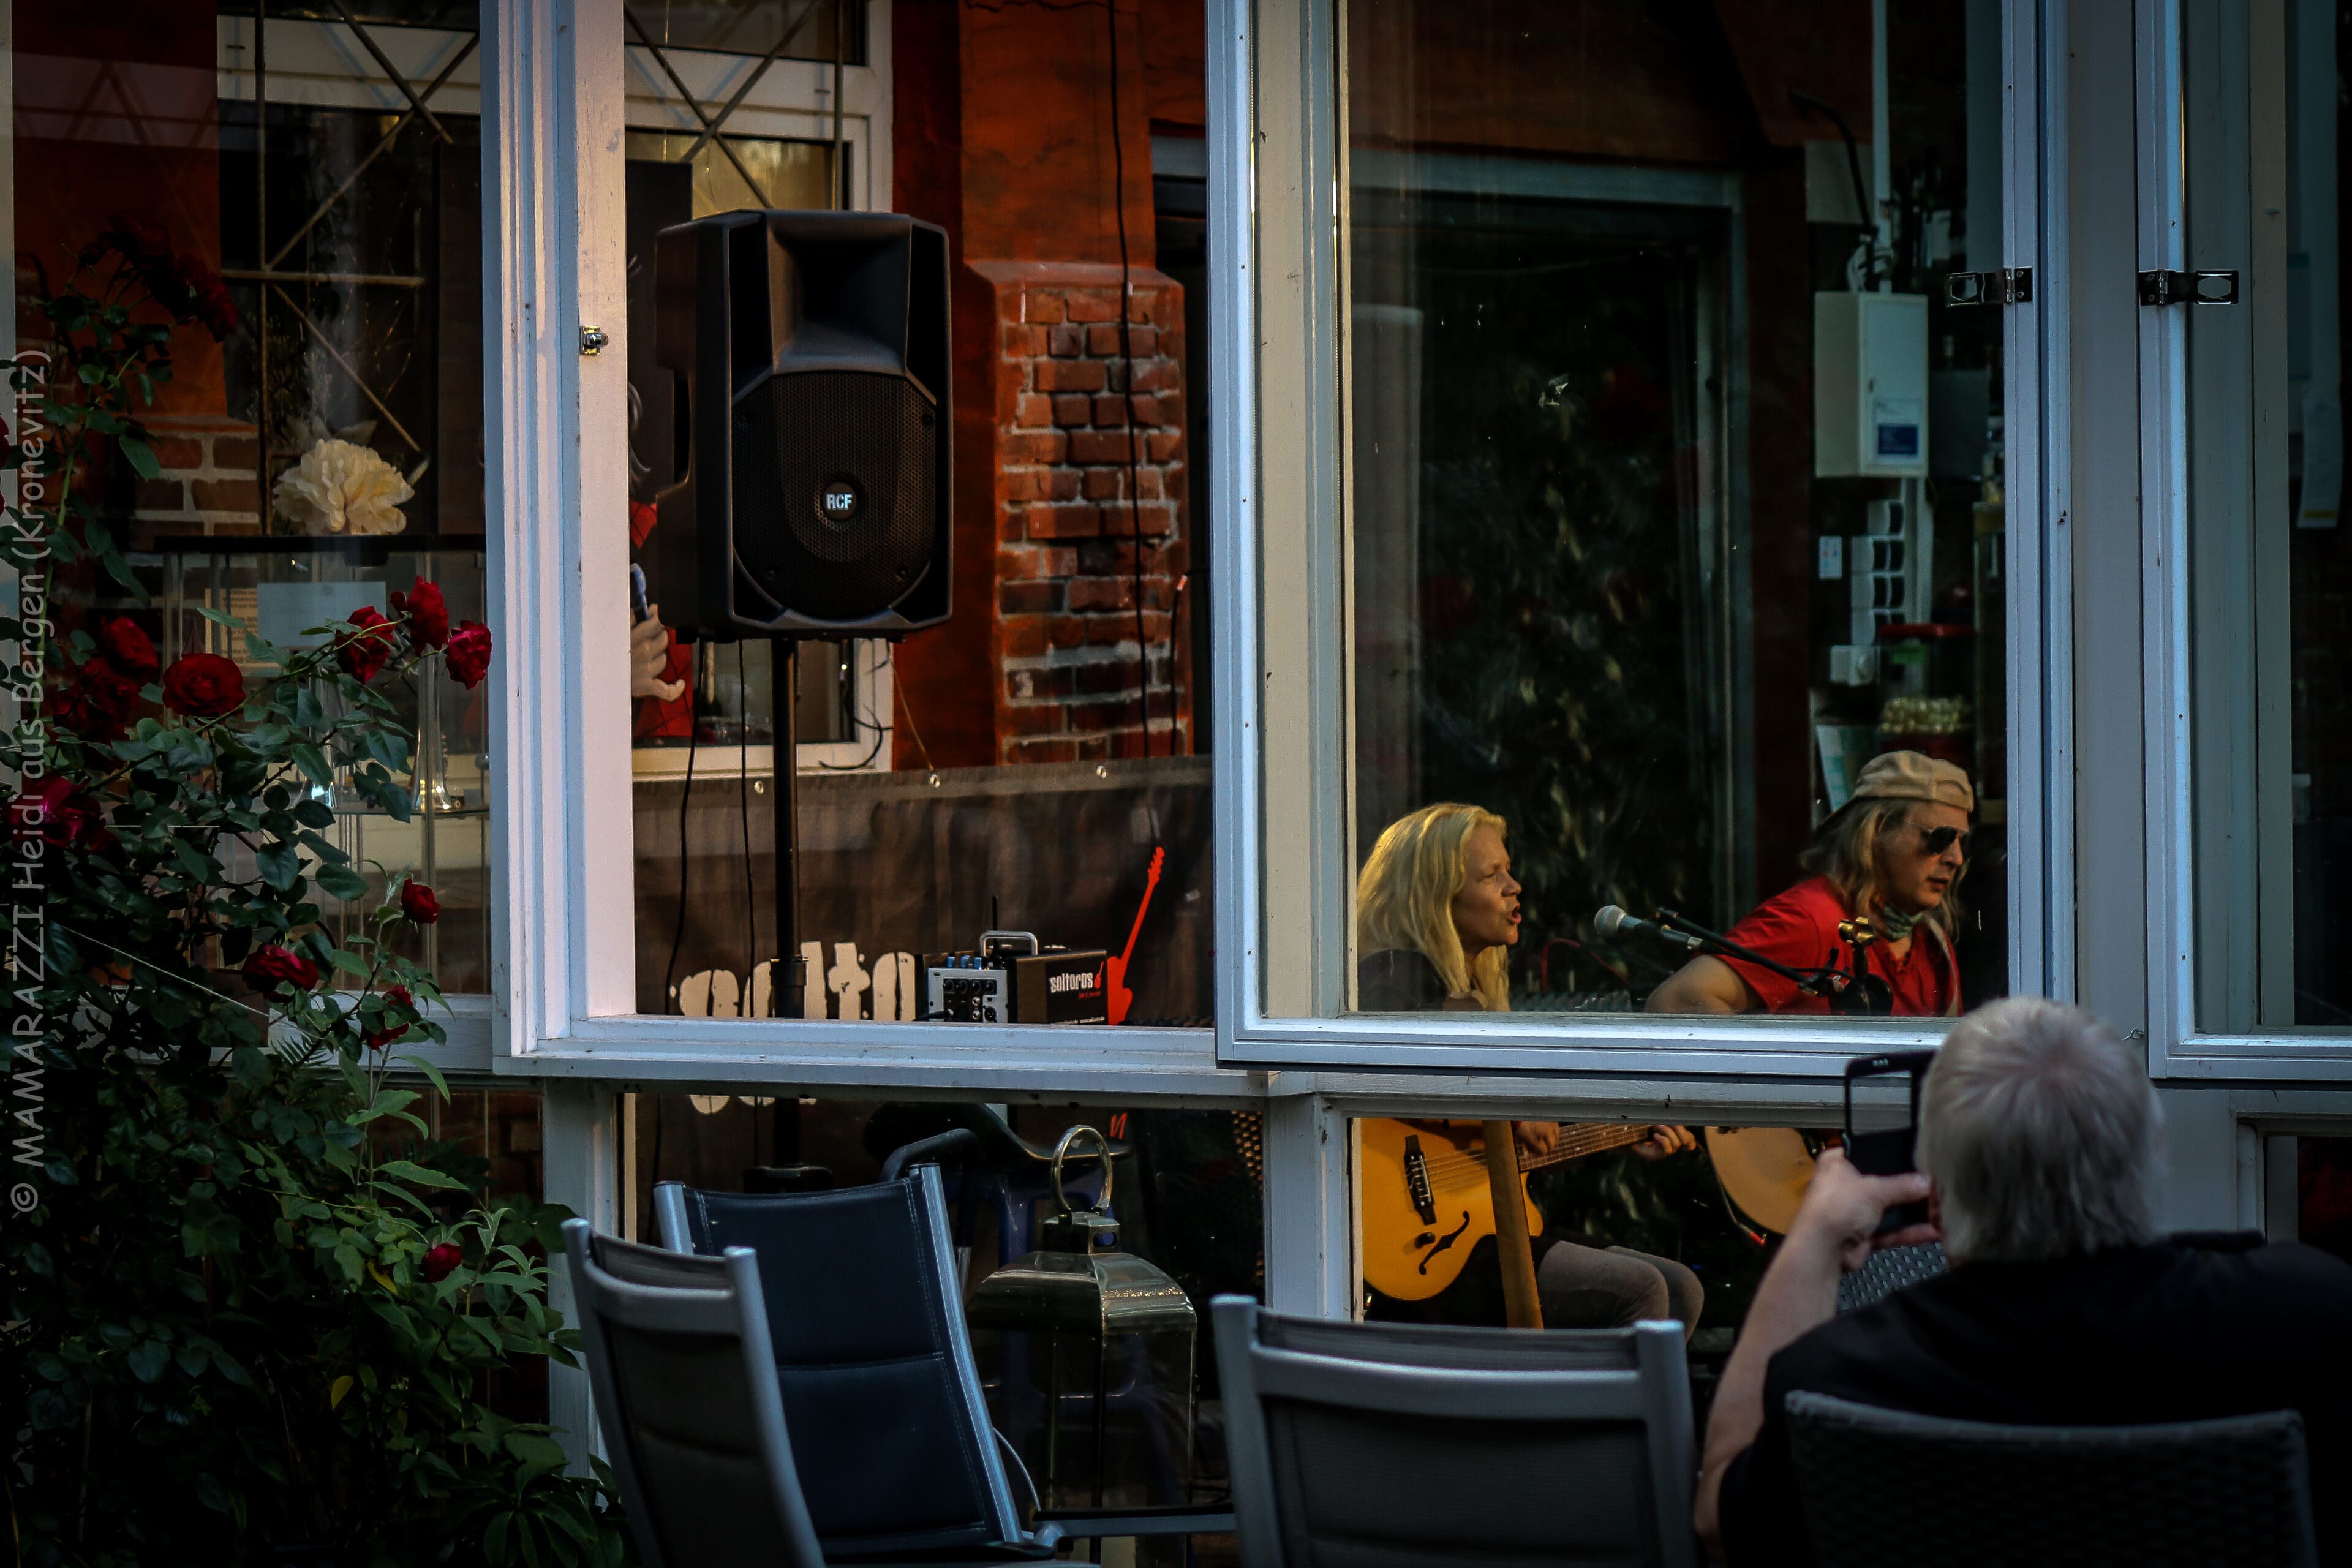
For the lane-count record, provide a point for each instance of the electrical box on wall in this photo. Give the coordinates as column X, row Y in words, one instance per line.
column 1870, row 385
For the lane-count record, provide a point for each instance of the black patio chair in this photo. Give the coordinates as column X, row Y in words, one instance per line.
column 1453, row 1448
column 1886, row 1486
column 865, row 1325
column 677, row 1359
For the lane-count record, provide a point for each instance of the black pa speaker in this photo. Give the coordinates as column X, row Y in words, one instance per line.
column 809, row 350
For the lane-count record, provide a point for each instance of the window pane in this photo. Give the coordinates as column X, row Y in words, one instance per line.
column 325, row 452
column 1624, row 1222
column 1030, row 765
column 1676, row 512
column 1186, row 1193
column 2269, row 561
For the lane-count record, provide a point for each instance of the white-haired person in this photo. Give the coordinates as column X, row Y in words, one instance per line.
column 2038, row 1154
column 1437, row 912
column 1895, row 852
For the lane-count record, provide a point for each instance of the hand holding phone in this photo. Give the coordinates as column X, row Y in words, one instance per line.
column 1882, row 1139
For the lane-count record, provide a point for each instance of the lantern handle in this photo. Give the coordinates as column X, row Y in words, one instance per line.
column 1102, row 1205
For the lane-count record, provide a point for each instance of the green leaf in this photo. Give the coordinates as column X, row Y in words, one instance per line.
column 313, row 762
column 409, row 1170
column 343, row 882
column 221, row 617
column 279, row 865
column 149, row 1360
column 141, row 457
column 430, row 1071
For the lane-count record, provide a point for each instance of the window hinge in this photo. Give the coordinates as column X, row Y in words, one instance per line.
column 592, row 340
column 2009, row 286
column 2161, row 287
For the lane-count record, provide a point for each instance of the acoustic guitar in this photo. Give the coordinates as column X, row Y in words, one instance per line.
column 1427, row 1202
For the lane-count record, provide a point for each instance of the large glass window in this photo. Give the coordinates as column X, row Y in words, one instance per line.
column 1032, row 764
column 1674, row 508
column 2269, row 559
column 323, row 449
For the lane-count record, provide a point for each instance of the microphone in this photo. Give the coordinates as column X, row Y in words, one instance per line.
column 1611, row 920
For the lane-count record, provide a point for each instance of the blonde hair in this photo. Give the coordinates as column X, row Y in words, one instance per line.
column 1845, row 850
column 1404, row 899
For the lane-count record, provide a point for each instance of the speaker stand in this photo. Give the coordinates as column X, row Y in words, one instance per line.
column 787, row 979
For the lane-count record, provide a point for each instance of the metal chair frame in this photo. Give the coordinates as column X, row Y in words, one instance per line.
column 716, row 1297
column 1474, row 1374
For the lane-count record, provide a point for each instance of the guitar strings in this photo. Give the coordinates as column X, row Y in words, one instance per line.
column 1568, row 1149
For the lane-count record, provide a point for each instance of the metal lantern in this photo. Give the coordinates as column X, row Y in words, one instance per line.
column 1088, row 1354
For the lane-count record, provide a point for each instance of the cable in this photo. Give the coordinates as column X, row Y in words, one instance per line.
column 880, row 731
column 693, row 743
column 743, row 809
column 1126, row 358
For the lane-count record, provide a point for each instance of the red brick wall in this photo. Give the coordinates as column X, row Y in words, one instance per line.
column 1006, row 137
column 1070, row 670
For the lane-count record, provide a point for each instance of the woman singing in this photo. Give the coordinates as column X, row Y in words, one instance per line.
column 1436, row 914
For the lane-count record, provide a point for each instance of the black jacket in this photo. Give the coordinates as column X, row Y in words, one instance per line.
column 2190, row 1328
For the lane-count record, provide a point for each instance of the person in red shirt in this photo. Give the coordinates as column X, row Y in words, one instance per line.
column 1895, row 852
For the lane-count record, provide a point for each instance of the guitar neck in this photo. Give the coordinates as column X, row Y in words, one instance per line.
column 1587, row 1138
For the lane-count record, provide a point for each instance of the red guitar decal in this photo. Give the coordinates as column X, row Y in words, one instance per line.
column 1121, row 998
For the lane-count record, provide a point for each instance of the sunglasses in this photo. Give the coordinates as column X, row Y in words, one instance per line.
column 1938, row 839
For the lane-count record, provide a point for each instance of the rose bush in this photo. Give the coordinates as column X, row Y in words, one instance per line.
column 254, row 1309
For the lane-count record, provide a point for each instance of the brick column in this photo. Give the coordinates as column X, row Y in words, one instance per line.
column 1072, row 680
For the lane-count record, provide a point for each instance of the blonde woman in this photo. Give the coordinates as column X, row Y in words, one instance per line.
column 1437, row 912
column 1895, row 852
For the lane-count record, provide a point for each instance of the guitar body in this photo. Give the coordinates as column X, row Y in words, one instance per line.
column 1403, row 1255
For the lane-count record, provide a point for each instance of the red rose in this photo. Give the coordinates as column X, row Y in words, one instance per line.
column 137, row 239
column 98, row 703
column 61, row 813
column 428, row 614
column 272, row 966
column 70, row 712
column 442, row 1260
column 203, row 686
column 418, row 903
column 128, row 648
column 108, row 690
column 470, row 653
column 206, row 298
column 394, row 997
column 366, row 650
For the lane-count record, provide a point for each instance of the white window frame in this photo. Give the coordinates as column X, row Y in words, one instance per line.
column 1285, row 869
column 2225, row 721
column 556, row 74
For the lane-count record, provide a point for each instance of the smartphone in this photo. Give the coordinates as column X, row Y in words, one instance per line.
column 640, row 611
column 1881, row 1122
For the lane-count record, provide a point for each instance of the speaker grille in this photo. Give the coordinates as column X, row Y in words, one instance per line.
column 864, row 443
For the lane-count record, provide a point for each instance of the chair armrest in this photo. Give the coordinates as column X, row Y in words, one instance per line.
column 1100, row 1523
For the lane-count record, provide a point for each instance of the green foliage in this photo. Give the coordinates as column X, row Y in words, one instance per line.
column 1570, row 662
column 254, row 1307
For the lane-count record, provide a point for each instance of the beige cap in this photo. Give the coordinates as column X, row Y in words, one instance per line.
column 1915, row 776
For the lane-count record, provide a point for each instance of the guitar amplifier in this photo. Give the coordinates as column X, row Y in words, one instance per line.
column 1000, row 984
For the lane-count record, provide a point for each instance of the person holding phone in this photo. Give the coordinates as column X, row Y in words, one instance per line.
column 1895, row 852
column 2037, row 1145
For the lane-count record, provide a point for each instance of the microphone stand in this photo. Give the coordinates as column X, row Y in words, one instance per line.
column 1829, row 984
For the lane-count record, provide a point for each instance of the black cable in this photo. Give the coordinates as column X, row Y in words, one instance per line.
column 1852, row 158
column 1126, row 358
column 693, row 740
column 743, row 809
